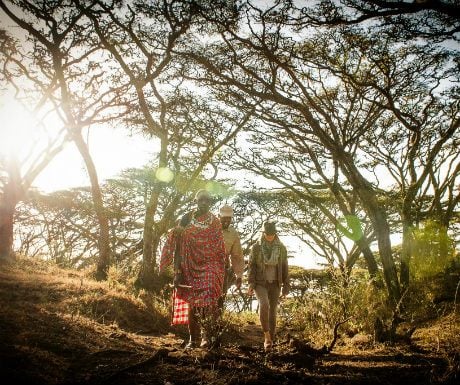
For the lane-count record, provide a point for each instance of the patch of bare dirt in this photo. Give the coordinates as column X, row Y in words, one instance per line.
column 58, row 327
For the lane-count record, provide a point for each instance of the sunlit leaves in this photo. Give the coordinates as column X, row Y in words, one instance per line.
column 353, row 229
column 432, row 250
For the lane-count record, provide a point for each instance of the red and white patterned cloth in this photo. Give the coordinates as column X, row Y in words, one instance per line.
column 203, row 260
column 180, row 310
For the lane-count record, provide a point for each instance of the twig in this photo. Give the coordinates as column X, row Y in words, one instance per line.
column 336, row 334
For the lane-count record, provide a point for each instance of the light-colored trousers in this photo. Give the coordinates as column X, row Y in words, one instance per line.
column 268, row 297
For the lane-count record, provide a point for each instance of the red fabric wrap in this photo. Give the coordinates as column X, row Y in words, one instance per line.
column 180, row 310
column 203, row 260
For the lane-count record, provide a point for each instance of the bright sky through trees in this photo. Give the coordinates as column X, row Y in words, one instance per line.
column 112, row 151
column 18, row 126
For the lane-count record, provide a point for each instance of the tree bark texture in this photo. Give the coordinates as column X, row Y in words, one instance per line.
column 104, row 259
column 7, row 209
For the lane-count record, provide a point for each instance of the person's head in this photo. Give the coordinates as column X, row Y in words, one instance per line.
column 203, row 201
column 269, row 230
column 225, row 215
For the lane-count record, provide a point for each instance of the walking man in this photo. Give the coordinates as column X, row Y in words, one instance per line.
column 234, row 265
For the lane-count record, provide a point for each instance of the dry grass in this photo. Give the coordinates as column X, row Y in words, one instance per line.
column 59, row 326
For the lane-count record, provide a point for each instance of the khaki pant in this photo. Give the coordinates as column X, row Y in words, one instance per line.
column 229, row 279
column 268, row 297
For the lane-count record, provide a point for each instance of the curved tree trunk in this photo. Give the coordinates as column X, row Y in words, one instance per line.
column 150, row 243
column 406, row 253
column 103, row 262
column 12, row 194
column 386, row 256
column 380, row 224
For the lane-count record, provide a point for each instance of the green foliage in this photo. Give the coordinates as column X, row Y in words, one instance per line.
column 432, row 250
column 351, row 298
column 353, row 230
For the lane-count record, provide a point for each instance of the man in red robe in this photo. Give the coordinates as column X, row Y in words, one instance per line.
column 199, row 274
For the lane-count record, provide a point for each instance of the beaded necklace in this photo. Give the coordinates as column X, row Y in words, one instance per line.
column 203, row 224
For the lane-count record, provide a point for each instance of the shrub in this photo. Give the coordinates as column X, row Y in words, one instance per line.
column 351, row 298
column 432, row 250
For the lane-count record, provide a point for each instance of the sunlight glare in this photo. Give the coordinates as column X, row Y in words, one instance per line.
column 164, row 174
column 18, row 128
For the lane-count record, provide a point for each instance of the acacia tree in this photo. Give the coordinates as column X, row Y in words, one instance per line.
column 21, row 163
column 59, row 41
column 414, row 140
column 309, row 104
column 190, row 129
column 62, row 226
column 435, row 20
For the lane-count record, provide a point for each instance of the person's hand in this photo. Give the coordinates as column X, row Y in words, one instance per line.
column 250, row 291
column 284, row 291
column 178, row 230
column 177, row 280
column 238, row 283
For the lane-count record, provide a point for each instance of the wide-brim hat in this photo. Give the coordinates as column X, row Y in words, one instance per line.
column 226, row 211
column 270, row 227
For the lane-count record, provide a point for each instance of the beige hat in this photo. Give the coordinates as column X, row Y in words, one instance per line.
column 226, row 211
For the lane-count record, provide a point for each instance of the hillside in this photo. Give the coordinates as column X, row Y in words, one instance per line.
column 60, row 327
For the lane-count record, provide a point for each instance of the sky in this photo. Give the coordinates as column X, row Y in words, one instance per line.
column 112, row 152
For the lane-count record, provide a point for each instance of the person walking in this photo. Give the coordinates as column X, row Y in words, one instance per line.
column 268, row 276
column 234, row 264
column 197, row 247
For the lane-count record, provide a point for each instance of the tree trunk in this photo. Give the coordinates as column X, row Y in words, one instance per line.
column 146, row 274
column 12, row 194
column 147, row 277
column 380, row 224
column 406, row 253
column 7, row 209
column 103, row 262
column 389, row 268
column 371, row 263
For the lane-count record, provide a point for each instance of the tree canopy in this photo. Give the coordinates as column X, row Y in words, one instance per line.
column 347, row 110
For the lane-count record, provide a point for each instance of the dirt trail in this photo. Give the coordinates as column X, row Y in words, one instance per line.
column 46, row 339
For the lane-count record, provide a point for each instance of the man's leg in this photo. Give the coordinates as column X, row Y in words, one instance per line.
column 210, row 326
column 193, row 328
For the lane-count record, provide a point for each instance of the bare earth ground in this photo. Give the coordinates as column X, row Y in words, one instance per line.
column 59, row 327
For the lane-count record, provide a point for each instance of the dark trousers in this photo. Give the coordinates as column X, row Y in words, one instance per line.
column 203, row 323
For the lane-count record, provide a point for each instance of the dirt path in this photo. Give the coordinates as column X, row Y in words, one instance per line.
column 62, row 330
column 244, row 362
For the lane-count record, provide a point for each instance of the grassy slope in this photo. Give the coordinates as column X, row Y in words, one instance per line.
column 49, row 316
column 60, row 327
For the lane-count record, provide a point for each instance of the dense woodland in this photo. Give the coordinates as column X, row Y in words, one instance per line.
column 339, row 119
